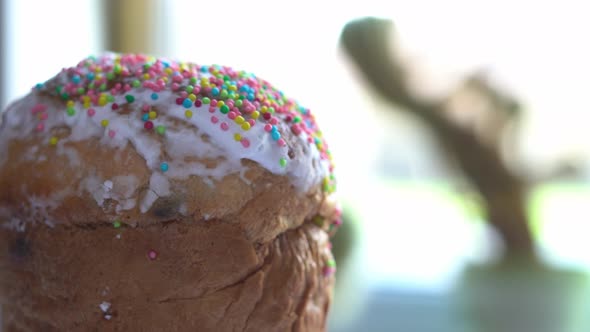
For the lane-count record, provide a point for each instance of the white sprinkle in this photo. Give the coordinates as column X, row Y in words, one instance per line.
column 108, row 185
column 104, row 306
column 108, row 317
column 118, row 236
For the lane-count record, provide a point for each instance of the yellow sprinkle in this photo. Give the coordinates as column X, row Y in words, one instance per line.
column 97, row 69
column 239, row 119
column 188, row 114
column 246, row 126
column 102, row 102
column 233, row 88
column 104, row 122
column 255, row 115
column 204, row 80
column 53, row 140
column 146, row 76
column 192, row 97
column 86, row 104
column 205, row 85
column 165, row 78
column 220, row 103
column 264, row 109
column 70, row 103
column 237, row 137
column 152, row 115
column 86, row 99
column 168, row 71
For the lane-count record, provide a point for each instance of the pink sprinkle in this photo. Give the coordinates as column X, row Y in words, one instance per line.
column 309, row 139
column 127, row 87
column 111, row 133
column 231, row 115
column 274, row 121
column 43, row 116
column 40, row 126
column 145, row 108
column 295, row 129
column 179, row 101
column 198, row 103
column 118, row 86
column 175, row 86
column 214, row 102
column 252, row 122
column 184, row 94
column 267, row 127
column 196, row 90
column 91, row 112
column 115, row 106
column 328, row 271
column 177, row 78
column 152, row 254
column 224, row 126
column 211, row 109
column 281, row 142
column 245, row 142
column 38, row 108
column 214, row 119
column 148, row 125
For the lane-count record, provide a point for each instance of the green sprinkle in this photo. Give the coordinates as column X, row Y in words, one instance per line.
column 103, row 87
column 283, row 162
column 224, row 94
column 71, row 111
column 116, row 224
column 110, row 76
column 271, row 109
column 161, row 129
column 226, row 77
column 331, row 263
column 224, row 109
column 136, row 84
column 189, row 88
column 65, row 96
column 110, row 98
column 129, row 98
column 297, row 119
column 239, row 103
column 206, row 100
column 117, row 69
column 193, row 80
column 80, row 91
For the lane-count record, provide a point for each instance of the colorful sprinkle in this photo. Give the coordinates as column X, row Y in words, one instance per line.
column 164, row 167
column 152, row 254
column 116, row 224
column 160, row 129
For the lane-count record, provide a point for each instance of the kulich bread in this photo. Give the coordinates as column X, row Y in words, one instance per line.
column 146, row 194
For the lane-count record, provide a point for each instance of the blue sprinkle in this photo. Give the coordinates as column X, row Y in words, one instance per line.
column 165, row 63
column 187, row 103
column 164, row 167
column 215, row 91
column 245, row 88
column 76, row 79
column 274, row 128
column 145, row 117
column 90, row 76
column 154, row 96
column 204, row 69
column 275, row 135
column 250, row 97
column 39, row 86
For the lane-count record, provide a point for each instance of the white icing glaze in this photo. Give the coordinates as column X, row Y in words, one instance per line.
column 184, row 138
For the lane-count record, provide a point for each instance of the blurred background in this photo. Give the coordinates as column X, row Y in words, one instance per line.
column 416, row 252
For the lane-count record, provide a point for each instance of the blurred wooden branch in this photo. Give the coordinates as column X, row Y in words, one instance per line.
column 367, row 42
column 129, row 25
